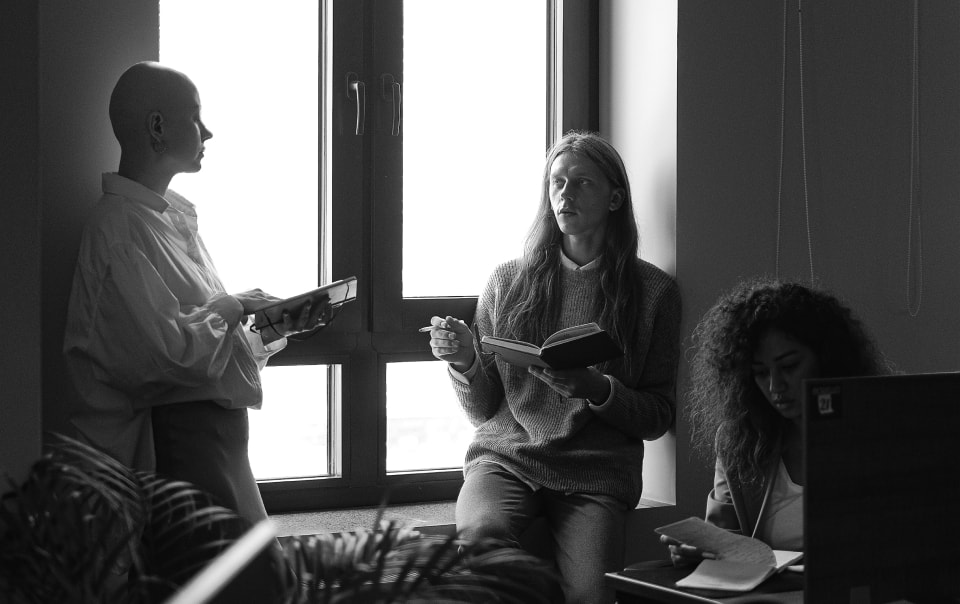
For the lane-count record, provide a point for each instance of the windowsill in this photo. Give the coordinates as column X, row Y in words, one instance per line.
column 652, row 503
column 430, row 518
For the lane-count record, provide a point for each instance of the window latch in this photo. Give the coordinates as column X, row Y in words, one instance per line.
column 390, row 91
column 357, row 90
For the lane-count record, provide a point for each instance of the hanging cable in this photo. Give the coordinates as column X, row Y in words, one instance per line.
column 783, row 86
column 803, row 141
column 915, row 205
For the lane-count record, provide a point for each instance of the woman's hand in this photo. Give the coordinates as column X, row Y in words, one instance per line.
column 585, row 383
column 306, row 319
column 452, row 341
column 229, row 308
column 682, row 554
column 254, row 300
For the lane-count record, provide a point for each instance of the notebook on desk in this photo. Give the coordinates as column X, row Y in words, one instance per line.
column 882, row 485
column 655, row 581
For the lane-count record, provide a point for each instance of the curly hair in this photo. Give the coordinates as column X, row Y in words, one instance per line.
column 730, row 417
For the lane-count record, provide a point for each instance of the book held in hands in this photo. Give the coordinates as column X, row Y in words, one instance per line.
column 569, row 348
column 267, row 318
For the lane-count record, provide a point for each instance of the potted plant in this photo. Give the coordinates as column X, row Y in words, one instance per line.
column 394, row 564
column 84, row 528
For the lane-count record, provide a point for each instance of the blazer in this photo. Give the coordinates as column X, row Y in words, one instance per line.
column 739, row 507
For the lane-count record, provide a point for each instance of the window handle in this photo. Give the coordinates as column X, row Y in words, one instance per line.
column 357, row 90
column 390, row 91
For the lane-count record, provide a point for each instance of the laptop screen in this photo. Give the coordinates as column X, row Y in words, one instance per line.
column 882, row 488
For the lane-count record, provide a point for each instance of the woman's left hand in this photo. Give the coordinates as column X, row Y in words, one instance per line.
column 306, row 319
column 585, row 383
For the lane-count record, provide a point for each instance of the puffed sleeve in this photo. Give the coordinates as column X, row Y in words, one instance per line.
column 142, row 339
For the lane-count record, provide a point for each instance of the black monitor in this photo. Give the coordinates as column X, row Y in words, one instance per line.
column 882, row 489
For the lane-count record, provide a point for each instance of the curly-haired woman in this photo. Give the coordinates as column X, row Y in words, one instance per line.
column 754, row 348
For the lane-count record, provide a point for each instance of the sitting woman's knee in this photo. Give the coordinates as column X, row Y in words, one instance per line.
column 486, row 525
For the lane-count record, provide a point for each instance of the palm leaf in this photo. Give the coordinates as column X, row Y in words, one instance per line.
column 84, row 528
column 394, row 564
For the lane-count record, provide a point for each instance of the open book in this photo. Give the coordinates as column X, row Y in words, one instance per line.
column 569, row 348
column 336, row 294
column 742, row 562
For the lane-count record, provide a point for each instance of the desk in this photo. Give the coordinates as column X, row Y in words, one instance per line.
column 652, row 583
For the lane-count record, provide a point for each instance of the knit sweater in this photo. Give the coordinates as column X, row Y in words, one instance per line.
column 570, row 445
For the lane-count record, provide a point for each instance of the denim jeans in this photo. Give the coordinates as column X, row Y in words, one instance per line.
column 586, row 529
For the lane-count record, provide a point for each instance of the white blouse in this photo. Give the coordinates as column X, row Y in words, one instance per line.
column 140, row 329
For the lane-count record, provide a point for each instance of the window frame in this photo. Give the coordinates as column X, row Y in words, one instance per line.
column 366, row 240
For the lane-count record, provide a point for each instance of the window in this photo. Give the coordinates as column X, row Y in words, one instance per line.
column 401, row 142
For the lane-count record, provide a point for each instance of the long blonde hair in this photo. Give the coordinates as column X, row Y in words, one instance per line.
column 533, row 299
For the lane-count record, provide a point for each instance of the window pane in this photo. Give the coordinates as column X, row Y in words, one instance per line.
column 474, row 131
column 426, row 429
column 289, row 433
column 256, row 67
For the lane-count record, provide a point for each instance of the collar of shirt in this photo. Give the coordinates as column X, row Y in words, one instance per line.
column 134, row 191
column 182, row 215
column 566, row 262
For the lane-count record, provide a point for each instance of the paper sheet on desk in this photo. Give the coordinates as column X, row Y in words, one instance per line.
column 726, row 575
column 726, row 545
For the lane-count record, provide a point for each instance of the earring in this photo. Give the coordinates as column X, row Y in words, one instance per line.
column 159, row 146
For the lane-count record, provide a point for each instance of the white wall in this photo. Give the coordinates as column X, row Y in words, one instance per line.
column 638, row 114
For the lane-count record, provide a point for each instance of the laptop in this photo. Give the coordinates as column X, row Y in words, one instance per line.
column 882, row 489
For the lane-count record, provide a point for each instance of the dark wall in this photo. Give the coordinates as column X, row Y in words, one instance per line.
column 857, row 72
column 20, row 355
column 84, row 47
column 857, row 99
column 59, row 62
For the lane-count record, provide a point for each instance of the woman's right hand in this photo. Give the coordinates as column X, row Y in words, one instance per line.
column 452, row 341
column 680, row 553
column 228, row 307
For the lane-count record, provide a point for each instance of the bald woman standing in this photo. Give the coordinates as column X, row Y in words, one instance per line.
column 156, row 347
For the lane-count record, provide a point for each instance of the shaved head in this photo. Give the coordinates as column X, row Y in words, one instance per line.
column 142, row 89
column 155, row 114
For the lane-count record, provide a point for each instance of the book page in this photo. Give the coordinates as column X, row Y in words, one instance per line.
column 785, row 558
column 494, row 344
column 726, row 545
column 726, row 575
column 570, row 333
column 514, row 352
